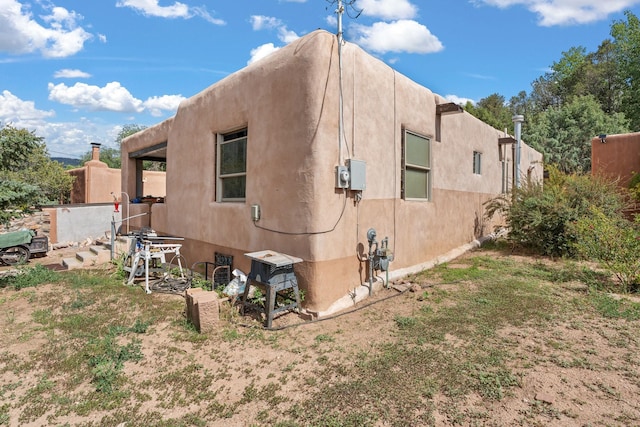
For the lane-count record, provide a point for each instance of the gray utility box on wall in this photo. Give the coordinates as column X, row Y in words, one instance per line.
column 358, row 175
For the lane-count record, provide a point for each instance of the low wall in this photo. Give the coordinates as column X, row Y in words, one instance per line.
column 77, row 223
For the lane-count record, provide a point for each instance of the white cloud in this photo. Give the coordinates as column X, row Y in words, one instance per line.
column 287, row 36
column 566, row 12
column 204, row 14
column 112, row 97
column 157, row 105
column 152, row 8
column 67, row 73
column 62, row 139
column 399, row 36
column 176, row 10
column 458, row 100
column 21, row 34
column 20, row 113
column 387, row 9
column 261, row 22
column 73, row 139
column 262, row 51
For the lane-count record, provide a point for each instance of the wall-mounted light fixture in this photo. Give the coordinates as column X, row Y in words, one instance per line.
column 603, row 138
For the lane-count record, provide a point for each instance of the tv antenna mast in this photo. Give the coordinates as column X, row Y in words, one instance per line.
column 340, row 10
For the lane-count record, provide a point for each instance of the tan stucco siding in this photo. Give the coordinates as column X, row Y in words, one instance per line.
column 289, row 103
column 617, row 158
column 282, row 109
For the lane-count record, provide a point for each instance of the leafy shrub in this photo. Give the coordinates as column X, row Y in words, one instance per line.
column 538, row 214
column 634, row 187
column 611, row 240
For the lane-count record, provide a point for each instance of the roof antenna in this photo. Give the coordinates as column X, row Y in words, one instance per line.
column 340, row 10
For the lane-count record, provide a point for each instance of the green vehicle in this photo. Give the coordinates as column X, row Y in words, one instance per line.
column 18, row 246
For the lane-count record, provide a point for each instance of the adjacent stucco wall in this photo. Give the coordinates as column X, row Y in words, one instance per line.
column 289, row 103
column 95, row 182
column 79, row 223
column 618, row 158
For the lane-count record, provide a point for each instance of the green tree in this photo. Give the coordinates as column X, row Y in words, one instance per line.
column 128, row 130
column 626, row 39
column 28, row 176
column 16, row 145
column 49, row 176
column 563, row 133
column 520, row 104
column 110, row 156
column 603, row 79
column 492, row 110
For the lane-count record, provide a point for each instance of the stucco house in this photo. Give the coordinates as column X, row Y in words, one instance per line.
column 96, row 182
column 256, row 162
column 616, row 156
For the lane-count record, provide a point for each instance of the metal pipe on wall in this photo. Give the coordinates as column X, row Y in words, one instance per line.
column 517, row 121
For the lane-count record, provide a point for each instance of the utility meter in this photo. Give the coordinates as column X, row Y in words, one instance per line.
column 342, row 177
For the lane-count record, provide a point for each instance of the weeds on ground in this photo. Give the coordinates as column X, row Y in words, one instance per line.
column 445, row 346
column 27, row 277
column 449, row 345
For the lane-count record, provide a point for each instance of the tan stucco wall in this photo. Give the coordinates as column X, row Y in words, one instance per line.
column 618, row 158
column 95, row 182
column 289, row 103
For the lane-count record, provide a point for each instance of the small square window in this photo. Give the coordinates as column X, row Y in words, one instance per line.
column 477, row 162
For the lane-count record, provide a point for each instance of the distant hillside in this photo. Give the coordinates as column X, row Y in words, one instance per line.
column 67, row 161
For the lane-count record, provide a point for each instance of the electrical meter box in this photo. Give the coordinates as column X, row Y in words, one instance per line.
column 358, row 175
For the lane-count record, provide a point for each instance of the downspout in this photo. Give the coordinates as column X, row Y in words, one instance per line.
column 517, row 120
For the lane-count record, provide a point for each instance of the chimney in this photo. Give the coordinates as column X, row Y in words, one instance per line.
column 95, row 151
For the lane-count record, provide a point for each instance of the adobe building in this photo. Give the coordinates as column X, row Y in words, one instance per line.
column 257, row 161
column 616, row 157
column 96, row 182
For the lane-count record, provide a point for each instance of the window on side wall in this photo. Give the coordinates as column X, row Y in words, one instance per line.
column 477, row 162
column 416, row 172
column 232, row 166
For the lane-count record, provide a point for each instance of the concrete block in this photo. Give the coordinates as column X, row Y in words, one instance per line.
column 102, row 254
column 189, row 297
column 71, row 263
column 207, row 308
column 87, row 258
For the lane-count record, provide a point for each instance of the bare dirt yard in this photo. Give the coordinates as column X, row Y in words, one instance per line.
column 491, row 339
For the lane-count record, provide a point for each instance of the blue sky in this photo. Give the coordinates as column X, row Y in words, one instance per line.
column 76, row 71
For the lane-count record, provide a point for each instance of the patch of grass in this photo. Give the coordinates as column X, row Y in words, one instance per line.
column 405, row 322
column 454, row 341
column 80, row 301
column 29, row 277
column 108, row 357
column 324, row 338
column 42, row 316
column 493, row 384
column 615, row 308
column 417, row 364
column 4, row 415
